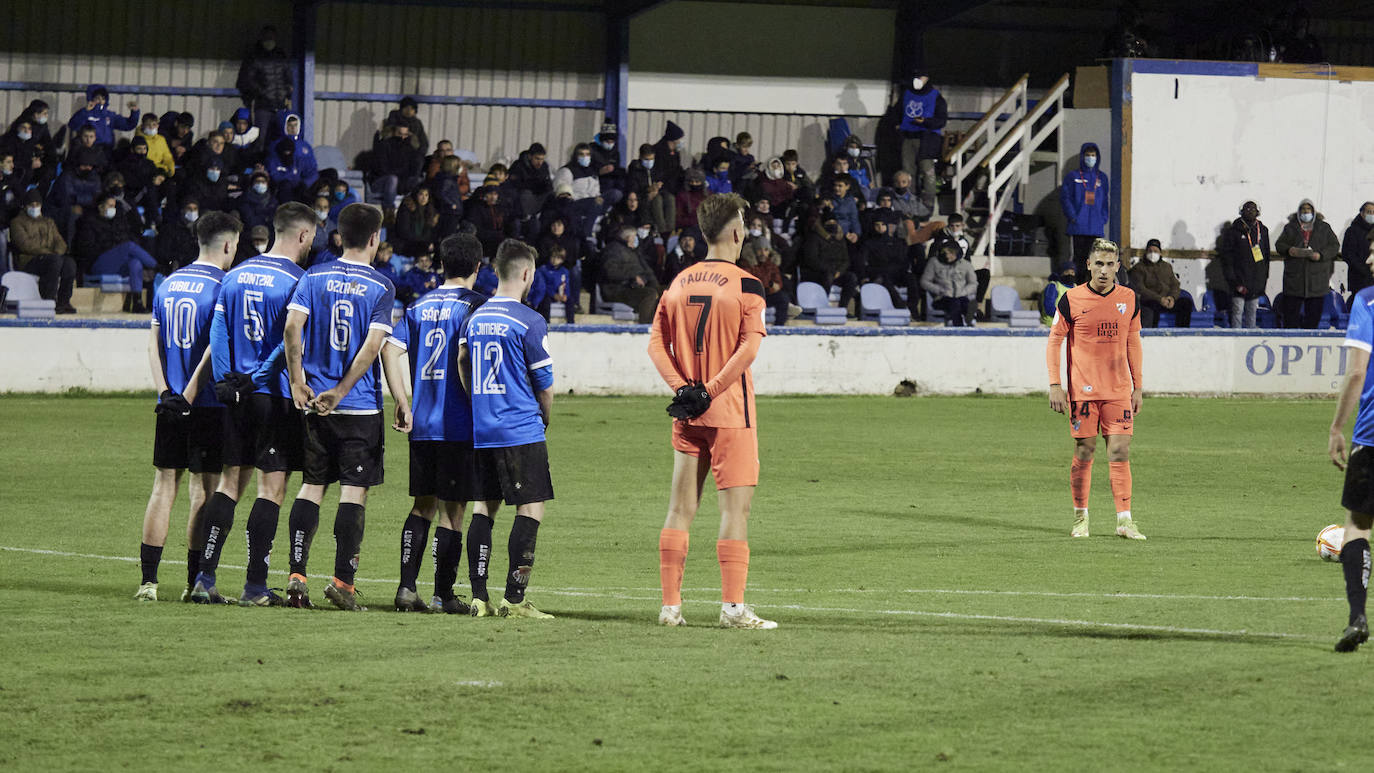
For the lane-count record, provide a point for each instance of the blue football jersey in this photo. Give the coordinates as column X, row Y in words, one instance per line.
column 344, row 301
column 182, row 310
column 253, row 300
column 508, row 345
column 1359, row 334
column 430, row 333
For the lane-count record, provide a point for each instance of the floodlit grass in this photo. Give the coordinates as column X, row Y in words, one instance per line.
column 933, row 611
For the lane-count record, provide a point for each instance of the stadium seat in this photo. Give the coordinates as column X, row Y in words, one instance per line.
column 22, row 296
column 1264, row 315
column 815, row 304
column 108, row 283
column 1220, row 317
column 1334, row 313
column 331, row 157
column 617, row 311
column 557, row 311
column 1005, row 300
column 770, row 316
column 933, row 314
column 876, row 303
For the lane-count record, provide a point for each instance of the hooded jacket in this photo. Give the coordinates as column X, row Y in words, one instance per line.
column 105, row 121
column 304, row 156
column 264, row 79
column 583, row 179
column 949, row 280
column 1238, row 264
column 667, row 160
column 824, row 253
column 1085, row 196
column 1304, row 277
column 1355, row 251
column 526, row 177
column 256, row 208
column 95, row 234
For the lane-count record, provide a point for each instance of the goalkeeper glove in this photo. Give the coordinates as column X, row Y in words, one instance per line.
column 172, row 405
column 234, row 388
column 691, row 401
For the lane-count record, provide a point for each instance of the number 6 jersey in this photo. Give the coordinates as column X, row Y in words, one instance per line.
column 344, row 301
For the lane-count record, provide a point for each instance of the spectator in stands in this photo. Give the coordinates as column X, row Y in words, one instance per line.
column 680, row 257
column 158, row 152
column 322, row 226
column 773, row 187
column 762, row 262
column 340, row 195
column 305, row 152
column 12, row 186
column 644, row 178
column 718, row 181
column 586, row 187
column 40, row 250
column 693, row 193
column 21, row 143
column 176, row 239
column 1055, row 288
column 108, row 244
column 265, row 79
column 951, row 284
column 492, row 224
column 883, row 257
column 98, row 116
column 396, row 165
column 285, row 174
column 441, row 151
column 845, row 208
column 905, row 202
column 260, row 239
column 556, row 235
column 881, row 210
column 1084, row 197
column 924, row 114
column 825, row 258
column 382, row 262
column 506, row 194
column 257, row 206
column 447, row 191
column 248, row 139
column 405, row 115
column 1245, row 260
column 606, row 162
column 530, row 175
column 208, row 187
column 37, row 115
column 86, row 150
column 75, row 190
column 333, row 248
column 1309, row 247
column 176, row 129
column 1298, row 45
column 744, row 169
column 626, row 278
column 557, row 285
column 1355, row 248
column 668, row 161
column 792, row 173
column 626, row 213
column 421, row 278
column 143, row 179
column 416, row 222
column 861, row 168
column 1156, row 285
column 212, row 150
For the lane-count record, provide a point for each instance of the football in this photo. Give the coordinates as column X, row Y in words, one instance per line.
column 1329, row 541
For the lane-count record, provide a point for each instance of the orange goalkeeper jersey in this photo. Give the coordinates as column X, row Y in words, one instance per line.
column 707, row 329
column 1103, row 332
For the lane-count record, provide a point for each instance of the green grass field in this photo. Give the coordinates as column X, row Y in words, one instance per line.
column 933, row 611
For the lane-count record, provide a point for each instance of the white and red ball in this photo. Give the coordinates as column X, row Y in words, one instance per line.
column 1329, row 542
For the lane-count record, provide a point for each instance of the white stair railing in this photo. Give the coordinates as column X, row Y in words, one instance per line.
column 1009, row 164
column 972, row 151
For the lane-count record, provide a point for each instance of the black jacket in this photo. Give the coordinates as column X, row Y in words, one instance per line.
column 265, row 78
column 176, row 244
column 1355, row 251
column 1238, row 264
column 526, row 178
column 394, row 155
column 1304, row 278
column 95, row 234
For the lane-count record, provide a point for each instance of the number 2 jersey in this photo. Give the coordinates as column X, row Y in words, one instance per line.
column 429, row 333
column 253, row 305
column 508, row 350
column 703, row 319
column 1103, row 331
column 183, row 308
column 344, row 301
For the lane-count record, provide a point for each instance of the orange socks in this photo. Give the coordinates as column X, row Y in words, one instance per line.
column 672, row 557
column 1081, row 481
column 733, row 555
column 1121, row 485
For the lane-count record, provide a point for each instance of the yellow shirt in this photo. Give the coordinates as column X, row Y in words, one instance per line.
column 160, row 154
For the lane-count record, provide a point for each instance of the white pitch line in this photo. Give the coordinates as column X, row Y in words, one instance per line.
column 589, row 593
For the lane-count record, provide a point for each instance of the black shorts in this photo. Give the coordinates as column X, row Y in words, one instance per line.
column 190, row 443
column 517, row 474
column 1358, row 495
column 443, row 469
column 266, row 432
column 346, row 448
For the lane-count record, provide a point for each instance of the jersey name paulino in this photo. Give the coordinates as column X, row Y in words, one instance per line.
column 509, row 358
column 183, row 309
column 1359, row 334
column 344, row 301
column 1099, row 330
column 430, row 335
column 253, row 301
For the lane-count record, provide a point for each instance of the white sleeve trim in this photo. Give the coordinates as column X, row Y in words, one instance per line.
column 396, row 342
column 385, row 328
column 541, row 364
column 1355, row 343
column 298, row 307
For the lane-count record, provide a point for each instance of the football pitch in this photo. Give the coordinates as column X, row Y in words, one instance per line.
column 933, row 612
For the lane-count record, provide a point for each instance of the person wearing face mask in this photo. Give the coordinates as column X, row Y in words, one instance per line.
column 1157, row 287
column 37, row 115
column 209, row 187
column 158, row 152
column 1058, row 284
column 108, row 244
column 883, row 257
column 323, row 226
column 645, row 179
column 12, row 186
column 73, row 194
column 744, row 168
column 1355, row 248
column 693, row 193
column 718, row 181
column 265, row 78
column 606, row 161
column 825, row 259
column 1084, row 197
column 303, row 152
column 176, row 244
column 281, row 167
column 627, row 278
column 951, row 284
column 924, row 114
column 98, row 116
column 393, row 169
column 579, row 175
column 1309, row 248
column 19, row 142
column 775, row 189
column 257, row 206
column 861, row 168
column 668, row 160
column 142, row 179
column 1245, row 259
column 407, row 114
column 40, row 250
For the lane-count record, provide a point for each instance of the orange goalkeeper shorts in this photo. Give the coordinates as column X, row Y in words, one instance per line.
column 1091, row 418
column 733, row 453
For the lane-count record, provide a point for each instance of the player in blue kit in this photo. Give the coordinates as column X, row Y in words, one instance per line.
column 264, row 430
column 505, row 365
column 441, row 455
column 1358, row 495
column 339, row 316
column 190, row 419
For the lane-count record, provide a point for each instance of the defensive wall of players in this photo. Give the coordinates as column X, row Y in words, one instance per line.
column 112, row 356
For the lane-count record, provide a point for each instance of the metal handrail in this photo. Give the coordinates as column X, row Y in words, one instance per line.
column 973, row 149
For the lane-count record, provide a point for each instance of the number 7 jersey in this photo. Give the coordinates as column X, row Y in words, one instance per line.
column 344, row 301
column 702, row 319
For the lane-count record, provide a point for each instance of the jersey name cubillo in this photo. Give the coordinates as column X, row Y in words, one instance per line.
column 183, row 309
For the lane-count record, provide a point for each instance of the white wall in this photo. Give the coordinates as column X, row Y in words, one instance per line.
column 1224, row 140
column 56, row 359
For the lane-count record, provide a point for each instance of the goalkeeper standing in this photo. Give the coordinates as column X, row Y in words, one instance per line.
column 705, row 335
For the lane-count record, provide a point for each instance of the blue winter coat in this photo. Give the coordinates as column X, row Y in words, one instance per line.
column 104, row 120
column 719, row 182
column 847, row 215
column 72, row 190
column 553, row 279
column 538, row 289
column 256, row 209
column 486, row 280
column 1086, row 219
